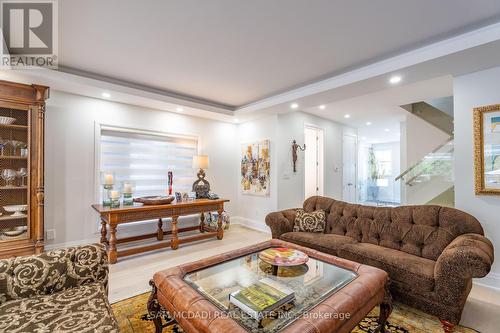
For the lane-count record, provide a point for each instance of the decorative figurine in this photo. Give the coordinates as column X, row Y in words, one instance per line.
column 170, row 182
column 294, row 153
column 201, row 186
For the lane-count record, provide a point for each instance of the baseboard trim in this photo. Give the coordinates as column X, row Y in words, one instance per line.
column 492, row 280
column 250, row 224
column 79, row 242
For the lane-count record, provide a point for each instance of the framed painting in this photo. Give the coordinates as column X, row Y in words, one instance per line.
column 487, row 149
column 255, row 168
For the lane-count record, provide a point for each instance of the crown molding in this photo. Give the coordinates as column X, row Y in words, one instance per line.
column 432, row 51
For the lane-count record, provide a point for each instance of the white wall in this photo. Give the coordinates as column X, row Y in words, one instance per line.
column 473, row 90
column 70, row 159
column 290, row 184
column 419, row 144
column 252, row 209
column 421, row 138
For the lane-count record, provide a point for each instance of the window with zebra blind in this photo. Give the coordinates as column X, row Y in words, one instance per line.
column 145, row 158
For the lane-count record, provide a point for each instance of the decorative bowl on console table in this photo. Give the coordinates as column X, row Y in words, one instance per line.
column 155, row 200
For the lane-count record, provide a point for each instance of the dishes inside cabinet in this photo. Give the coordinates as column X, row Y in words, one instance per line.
column 15, row 231
column 7, row 120
column 16, row 209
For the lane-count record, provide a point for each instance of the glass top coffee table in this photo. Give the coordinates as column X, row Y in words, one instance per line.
column 312, row 283
column 331, row 294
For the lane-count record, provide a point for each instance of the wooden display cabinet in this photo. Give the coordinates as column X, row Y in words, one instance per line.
column 22, row 151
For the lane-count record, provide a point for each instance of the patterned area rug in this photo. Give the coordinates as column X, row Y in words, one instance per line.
column 133, row 317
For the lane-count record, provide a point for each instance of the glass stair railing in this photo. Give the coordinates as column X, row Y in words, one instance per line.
column 436, row 164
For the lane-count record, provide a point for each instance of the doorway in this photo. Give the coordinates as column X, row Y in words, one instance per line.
column 313, row 171
column 349, row 169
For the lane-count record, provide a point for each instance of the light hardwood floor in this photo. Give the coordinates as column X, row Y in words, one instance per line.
column 131, row 275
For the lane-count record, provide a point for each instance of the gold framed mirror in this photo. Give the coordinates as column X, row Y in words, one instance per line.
column 487, row 149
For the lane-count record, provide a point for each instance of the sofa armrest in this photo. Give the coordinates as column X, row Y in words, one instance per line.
column 53, row 271
column 467, row 256
column 281, row 222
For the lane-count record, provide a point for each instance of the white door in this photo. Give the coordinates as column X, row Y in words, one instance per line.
column 349, row 156
column 313, row 171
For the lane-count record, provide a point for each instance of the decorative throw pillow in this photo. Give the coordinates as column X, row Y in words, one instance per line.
column 310, row 222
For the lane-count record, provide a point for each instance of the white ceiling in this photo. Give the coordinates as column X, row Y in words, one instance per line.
column 233, row 52
column 382, row 109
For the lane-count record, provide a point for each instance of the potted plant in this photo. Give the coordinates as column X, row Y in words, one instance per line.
column 373, row 175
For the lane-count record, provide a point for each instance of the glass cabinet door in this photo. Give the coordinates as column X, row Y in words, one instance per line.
column 14, row 173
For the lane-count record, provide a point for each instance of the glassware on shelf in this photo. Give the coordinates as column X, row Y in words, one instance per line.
column 8, row 175
column 17, row 145
column 3, row 146
column 22, row 174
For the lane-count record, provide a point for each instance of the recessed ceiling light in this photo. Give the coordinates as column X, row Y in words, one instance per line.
column 387, row 130
column 179, row 109
column 395, row 79
column 347, row 116
column 106, row 95
column 294, row 105
column 322, row 107
column 368, row 123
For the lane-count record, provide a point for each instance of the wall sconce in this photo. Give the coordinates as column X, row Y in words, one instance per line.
column 294, row 153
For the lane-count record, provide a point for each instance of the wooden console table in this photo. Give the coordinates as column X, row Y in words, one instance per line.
column 126, row 214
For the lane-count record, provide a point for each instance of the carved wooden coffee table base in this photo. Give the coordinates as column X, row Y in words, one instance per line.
column 196, row 313
column 112, row 217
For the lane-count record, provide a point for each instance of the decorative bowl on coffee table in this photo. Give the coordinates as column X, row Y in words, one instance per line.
column 281, row 256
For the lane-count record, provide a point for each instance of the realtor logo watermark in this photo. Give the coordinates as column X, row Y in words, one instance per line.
column 29, row 31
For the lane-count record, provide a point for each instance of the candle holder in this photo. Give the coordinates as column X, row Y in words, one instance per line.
column 128, row 191
column 127, row 199
column 115, row 199
column 115, row 202
column 108, row 182
column 106, row 195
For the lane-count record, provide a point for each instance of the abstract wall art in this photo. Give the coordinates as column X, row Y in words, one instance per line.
column 255, row 168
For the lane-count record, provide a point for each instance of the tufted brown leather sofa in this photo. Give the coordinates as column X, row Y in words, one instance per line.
column 430, row 252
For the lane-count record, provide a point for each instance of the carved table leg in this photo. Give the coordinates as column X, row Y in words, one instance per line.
column 154, row 308
column 220, row 231
column 447, row 326
column 202, row 222
column 159, row 235
column 175, row 240
column 228, row 222
column 385, row 309
column 112, row 256
column 104, row 237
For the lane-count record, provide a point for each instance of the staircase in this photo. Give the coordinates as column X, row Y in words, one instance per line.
column 430, row 180
column 428, row 111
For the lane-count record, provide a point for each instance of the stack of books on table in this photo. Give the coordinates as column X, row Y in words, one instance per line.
column 262, row 297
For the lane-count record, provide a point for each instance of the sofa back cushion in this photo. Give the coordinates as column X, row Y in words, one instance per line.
column 423, row 230
column 50, row 272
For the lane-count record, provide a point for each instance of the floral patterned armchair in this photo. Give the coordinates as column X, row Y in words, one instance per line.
column 58, row 291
